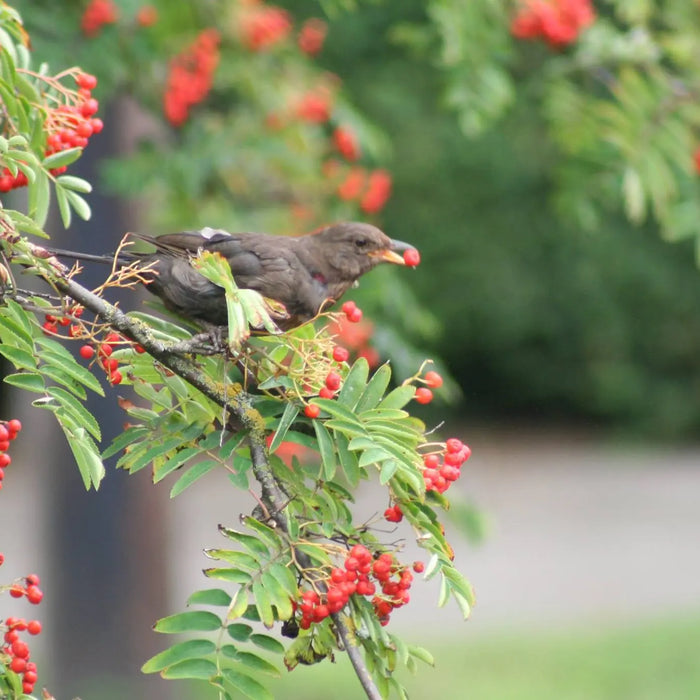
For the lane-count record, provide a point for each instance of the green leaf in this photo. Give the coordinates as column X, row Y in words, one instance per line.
column 29, row 381
column 86, row 453
column 63, row 206
column 279, row 597
column 263, row 604
column 191, row 649
column 210, row 596
column 228, row 574
column 21, row 359
column 291, row 411
column 239, row 631
column 191, row 475
column 60, row 377
column 285, row 577
column 354, row 384
column 239, row 605
column 201, row 669
column 174, row 462
column 419, row 653
column 80, row 206
column 373, row 455
column 399, row 397
column 79, row 412
column 387, row 471
column 252, row 662
column 39, row 197
column 325, row 446
column 77, row 184
column 190, row 621
column 59, row 357
column 267, row 643
column 123, row 440
column 247, row 685
column 375, row 389
column 348, row 460
column 238, row 559
column 58, row 160
column 249, row 542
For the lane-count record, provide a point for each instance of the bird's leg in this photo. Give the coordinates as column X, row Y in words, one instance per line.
column 200, row 344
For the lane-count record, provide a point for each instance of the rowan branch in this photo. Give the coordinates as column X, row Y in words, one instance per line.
column 240, row 406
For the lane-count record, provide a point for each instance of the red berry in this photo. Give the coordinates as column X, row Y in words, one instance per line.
column 115, row 377
column 16, row 591
column 89, row 107
column 18, row 664
column 333, row 381
column 454, row 445
column 2, row 558
column 86, row 81
column 418, row 567
column 14, row 426
column 87, row 352
column 111, row 364
column 348, row 307
column 105, row 350
column 4, row 433
column 5, row 460
column 139, row 349
column 97, row 125
column 32, row 580
column 453, row 459
column 27, row 687
column 34, row 595
column 411, row 257
column 34, row 627
column 431, row 461
column 11, row 636
column 146, row 16
column 355, row 316
column 340, row 354
column 352, row 564
column 433, row 379
column 312, row 410
column 321, row 612
column 337, row 575
column 423, row 395
column 30, row 677
column 326, row 393
column 450, row 473
column 20, row 649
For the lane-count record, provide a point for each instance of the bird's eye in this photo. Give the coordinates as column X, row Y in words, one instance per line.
column 360, row 242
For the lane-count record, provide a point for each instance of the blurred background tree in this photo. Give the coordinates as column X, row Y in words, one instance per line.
column 536, row 150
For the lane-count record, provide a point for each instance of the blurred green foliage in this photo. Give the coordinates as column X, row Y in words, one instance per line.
column 541, row 319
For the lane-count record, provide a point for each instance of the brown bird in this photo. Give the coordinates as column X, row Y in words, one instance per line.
column 306, row 274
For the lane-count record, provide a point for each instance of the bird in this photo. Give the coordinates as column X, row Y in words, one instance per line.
column 306, row 274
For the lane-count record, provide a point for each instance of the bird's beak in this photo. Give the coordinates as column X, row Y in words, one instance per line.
column 391, row 254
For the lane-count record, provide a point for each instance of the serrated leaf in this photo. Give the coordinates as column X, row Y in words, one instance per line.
column 123, row 440
column 86, row 453
column 191, row 649
column 210, row 596
column 80, row 413
column 190, row 621
column 61, row 358
column 29, row 381
column 249, row 542
column 21, row 359
column 241, row 560
column 201, row 669
column 172, row 463
column 192, row 475
column 325, row 446
column 60, row 377
column 387, row 471
column 374, row 455
column 265, row 532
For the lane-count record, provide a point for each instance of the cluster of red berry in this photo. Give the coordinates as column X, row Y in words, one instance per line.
column 8, row 432
column 331, row 385
column 370, row 189
column 312, row 35
column 356, row 337
column 315, row 105
column 96, row 15
column 104, row 355
column 262, row 26
column 558, row 22
column 190, row 77
column 354, row 578
column 14, row 653
column 442, row 469
column 52, row 323
column 424, row 394
column 69, row 125
column 346, row 144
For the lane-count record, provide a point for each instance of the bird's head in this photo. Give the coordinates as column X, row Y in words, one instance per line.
column 345, row 251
